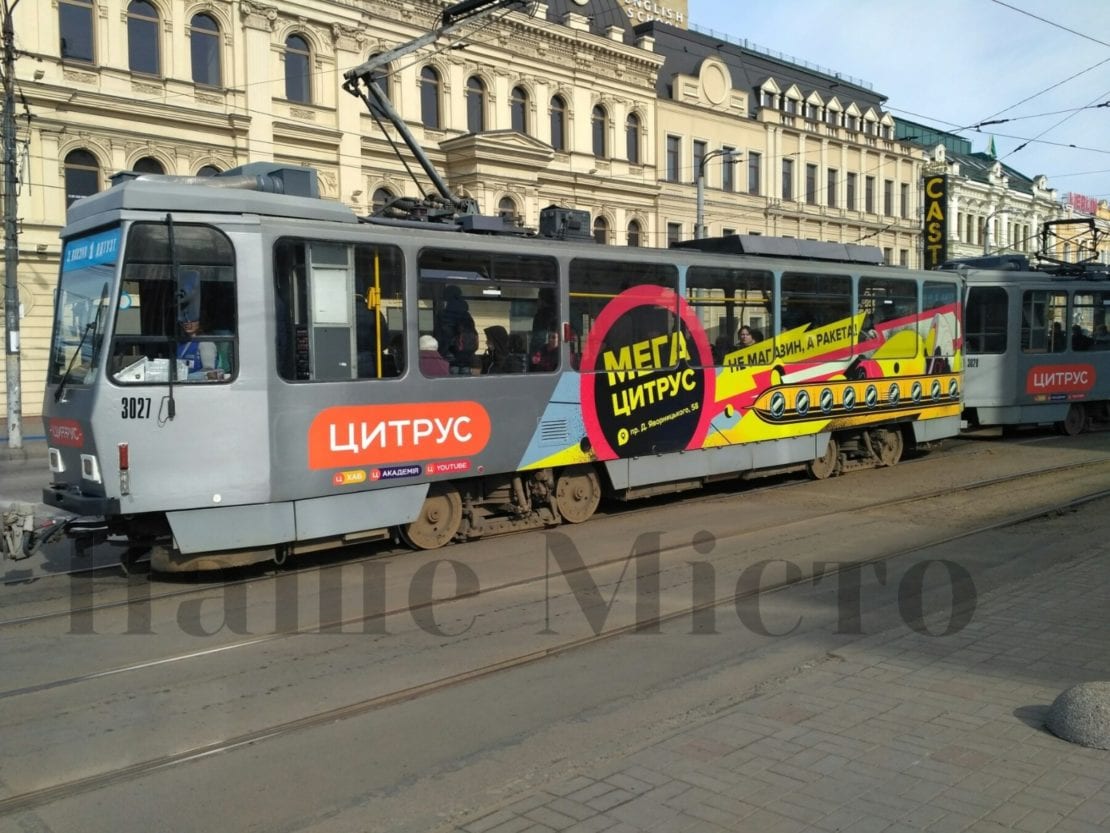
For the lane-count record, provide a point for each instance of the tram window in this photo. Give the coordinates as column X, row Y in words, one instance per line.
column 725, row 300
column 339, row 311
column 886, row 307
column 986, row 319
column 812, row 302
column 596, row 283
column 489, row 313
column 179, row 322
column 1090, row 316
column 1043, row 315
column 940, row 312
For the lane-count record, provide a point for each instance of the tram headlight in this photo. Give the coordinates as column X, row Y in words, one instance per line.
column 57, row 464
column 90, row 468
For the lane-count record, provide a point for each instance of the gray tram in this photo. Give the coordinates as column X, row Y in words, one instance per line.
column 241, row 371
column 1038, row 350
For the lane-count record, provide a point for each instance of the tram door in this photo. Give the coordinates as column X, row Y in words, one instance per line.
column 330, row 328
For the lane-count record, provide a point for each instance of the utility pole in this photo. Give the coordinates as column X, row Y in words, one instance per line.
column 11, row 237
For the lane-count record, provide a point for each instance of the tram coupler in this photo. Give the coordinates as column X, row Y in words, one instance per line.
column 21, row 536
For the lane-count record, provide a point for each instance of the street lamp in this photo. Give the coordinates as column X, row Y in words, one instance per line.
column 731, row 157
column 987, row 228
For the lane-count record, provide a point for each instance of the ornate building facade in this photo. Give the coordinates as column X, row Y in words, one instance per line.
column 613, row 106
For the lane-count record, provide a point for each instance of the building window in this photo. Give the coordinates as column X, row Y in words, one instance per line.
column 832, row 117
column 381, row 198
column 75, row 21
column 700, row 149
column 204, row 45
column 148, row 165
column 632, row 138
column 634, row 233
column 208, row 170
column 850, row 191
column 869, row 194
column 601, row 230
column 82, row 175
column 599, row 123
column 888, row 255
column 142, row 38
column 728, row 169
column 830, row 186
column 674, row 158
column 754, row 162
column 905, row 200
column 558, row 123
column 767, row 99
column 674, row 233
column 888, row 197
column 811, row 184
column 429, row 98
column 788, row 179
column 811, row 112
column 790, row 106
column 298, row 60
column 903, row 257
column 475, row 105
column 506, row 207
column 518, row 110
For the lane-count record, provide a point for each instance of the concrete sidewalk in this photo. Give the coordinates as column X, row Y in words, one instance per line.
column 894, row 732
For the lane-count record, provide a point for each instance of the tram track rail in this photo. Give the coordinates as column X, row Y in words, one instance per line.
column 32, row 799
column 395, row 552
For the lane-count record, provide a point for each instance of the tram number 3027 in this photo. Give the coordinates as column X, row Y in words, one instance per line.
column 135, row 407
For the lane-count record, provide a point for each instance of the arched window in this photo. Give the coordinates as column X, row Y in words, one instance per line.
column 634, row 233
column 506, row 207
column 558, row 123
column 298, row 61
column 208, row 170
column 475, row 105
column 148, row 165
column 599, row 122
column 75, row 22
column 429, row 97
column 82, row 175
column 381, row 197
column 204, row 45
column 142, row 38
column 632, row 138
column 601, row 230
column 518, row 110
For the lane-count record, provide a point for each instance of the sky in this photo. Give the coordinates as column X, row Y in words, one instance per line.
column 956, row 63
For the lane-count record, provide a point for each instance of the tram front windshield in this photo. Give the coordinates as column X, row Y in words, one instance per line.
column 81, row 312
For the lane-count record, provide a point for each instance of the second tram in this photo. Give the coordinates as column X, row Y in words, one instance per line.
column 1037, row 346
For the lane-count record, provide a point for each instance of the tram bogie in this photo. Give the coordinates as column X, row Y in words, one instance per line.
column 308, row 410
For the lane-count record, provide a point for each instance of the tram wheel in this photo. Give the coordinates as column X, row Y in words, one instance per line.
column 577, row 493
column 825, row 466
column 1074, row 421
column 439, row 519
column 889, row 447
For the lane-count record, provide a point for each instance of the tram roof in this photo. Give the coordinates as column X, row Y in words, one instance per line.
column 200, row 196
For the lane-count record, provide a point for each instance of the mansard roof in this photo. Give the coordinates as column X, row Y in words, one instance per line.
column 685, row 49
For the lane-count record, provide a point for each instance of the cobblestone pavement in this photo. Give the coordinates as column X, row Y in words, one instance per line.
column 896, row 732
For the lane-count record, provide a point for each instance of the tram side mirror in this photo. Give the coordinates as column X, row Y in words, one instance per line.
column 188, row 297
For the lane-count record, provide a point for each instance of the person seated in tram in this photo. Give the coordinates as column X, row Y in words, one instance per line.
column 1079, row 339
column 498, row 357
column 432, row 362
column 203, row 360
